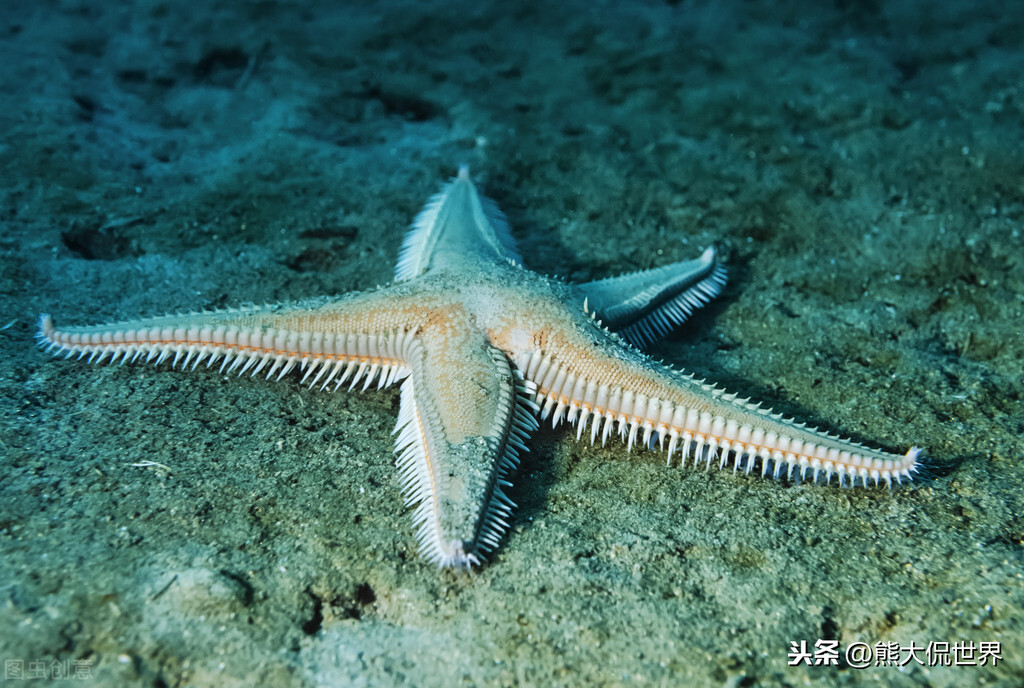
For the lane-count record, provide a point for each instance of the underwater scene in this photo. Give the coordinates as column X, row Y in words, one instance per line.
column 400, row 343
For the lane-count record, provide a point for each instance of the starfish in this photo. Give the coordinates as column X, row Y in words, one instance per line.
column 483, row 348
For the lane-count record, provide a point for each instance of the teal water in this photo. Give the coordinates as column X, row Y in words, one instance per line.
column 858, row 166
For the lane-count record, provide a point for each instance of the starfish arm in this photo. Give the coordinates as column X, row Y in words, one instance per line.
column 650, row 402
column 356, row 338
column 645, row 306
column 457, row 226
column 464, row 418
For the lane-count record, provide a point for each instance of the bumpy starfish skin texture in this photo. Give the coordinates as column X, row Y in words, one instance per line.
column 483, row 348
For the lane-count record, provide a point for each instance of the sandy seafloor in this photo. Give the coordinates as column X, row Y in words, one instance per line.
column 860, row 166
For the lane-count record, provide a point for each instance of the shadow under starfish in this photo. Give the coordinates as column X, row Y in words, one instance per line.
column 484, row 347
